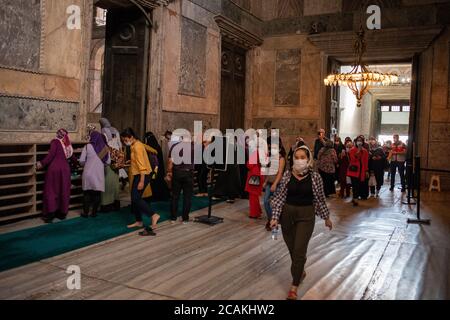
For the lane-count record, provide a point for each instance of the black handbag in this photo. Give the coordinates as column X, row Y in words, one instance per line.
column 254, row 181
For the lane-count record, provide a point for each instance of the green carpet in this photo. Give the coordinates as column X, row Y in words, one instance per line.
column 30, row 245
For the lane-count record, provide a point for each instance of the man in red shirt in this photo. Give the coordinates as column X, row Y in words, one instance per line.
column 398, row 158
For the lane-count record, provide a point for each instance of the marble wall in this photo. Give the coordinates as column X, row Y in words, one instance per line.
column 303, row 116
column 191, row 69
column 287, row 77
column 192, row 58
column 37, row 115
column 32, row 99
column 317, row 7
column 20, row 33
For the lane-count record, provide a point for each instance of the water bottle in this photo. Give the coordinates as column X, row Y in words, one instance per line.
column 275, row 233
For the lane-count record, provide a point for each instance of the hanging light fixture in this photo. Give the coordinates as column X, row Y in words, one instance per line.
column 360, row 78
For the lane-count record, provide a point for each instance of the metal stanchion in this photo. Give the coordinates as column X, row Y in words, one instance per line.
column 209, row 219
column 417, row 175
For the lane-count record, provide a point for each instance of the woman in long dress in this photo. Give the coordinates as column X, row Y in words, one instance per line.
column 228, row 182
column 56, row 194
column 94, row 157
column 110, row 198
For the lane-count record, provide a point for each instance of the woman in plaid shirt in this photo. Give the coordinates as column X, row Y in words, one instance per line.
column 299, row 197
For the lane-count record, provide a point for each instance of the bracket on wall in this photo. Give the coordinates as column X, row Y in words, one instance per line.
column 237, row 34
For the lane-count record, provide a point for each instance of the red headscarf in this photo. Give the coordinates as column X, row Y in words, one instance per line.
column 63, row 136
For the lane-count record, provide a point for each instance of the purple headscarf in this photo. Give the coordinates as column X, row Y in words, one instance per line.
column 98, row 141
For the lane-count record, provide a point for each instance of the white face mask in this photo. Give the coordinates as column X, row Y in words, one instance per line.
column 300, row 165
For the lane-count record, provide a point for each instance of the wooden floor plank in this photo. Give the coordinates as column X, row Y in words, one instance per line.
column 371, row 254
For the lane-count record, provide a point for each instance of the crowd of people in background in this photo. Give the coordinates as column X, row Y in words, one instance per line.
column 357, row 166
column 293, row 194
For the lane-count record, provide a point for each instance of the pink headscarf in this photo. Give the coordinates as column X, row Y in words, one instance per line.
column 63, row 136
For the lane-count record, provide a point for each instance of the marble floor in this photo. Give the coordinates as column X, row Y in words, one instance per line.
column 372, row 253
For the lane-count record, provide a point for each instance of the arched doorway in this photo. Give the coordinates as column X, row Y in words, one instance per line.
column 126, row 61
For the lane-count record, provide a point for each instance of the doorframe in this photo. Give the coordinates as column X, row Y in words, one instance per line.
column 245, row 52
column 144, row 85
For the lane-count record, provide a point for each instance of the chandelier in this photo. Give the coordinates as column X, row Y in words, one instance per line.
column 360, row 78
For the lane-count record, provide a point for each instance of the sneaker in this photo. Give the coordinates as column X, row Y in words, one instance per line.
column 230, row 201
column 185, row 221
column 377, row 195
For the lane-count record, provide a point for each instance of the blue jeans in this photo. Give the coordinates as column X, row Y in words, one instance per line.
column 267, row 195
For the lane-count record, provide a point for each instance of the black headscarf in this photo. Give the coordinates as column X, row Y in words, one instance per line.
column 159, row 186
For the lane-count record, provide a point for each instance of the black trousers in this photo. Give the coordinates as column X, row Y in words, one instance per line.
column 401, row 171
column 379, row 176
column 202, row 178
column 298, row 225
column 92, row 199
column 328, row 182
column 138, row 205
column 182, row 181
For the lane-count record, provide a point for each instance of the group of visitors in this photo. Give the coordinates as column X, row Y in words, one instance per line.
column 104, row 162
column 358, row 165
column 294, row 193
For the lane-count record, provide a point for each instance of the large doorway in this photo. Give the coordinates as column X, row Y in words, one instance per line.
column 232, row 101
column 385, row 111
column 126, row 68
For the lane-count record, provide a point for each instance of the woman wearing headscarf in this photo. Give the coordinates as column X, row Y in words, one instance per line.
column 298, row 143
column 299, row 198
column 160, row 190
column 110, row 199
column 326, row 164
column 94, row 158
column 57, row 183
